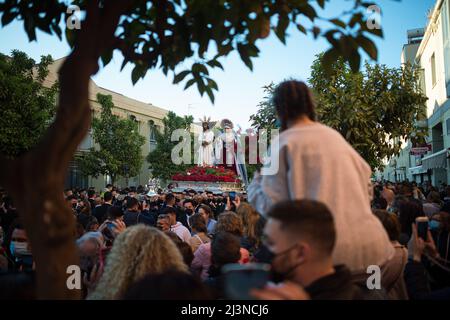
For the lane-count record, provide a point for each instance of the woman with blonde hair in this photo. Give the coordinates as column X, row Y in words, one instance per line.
column 253, row 226
column 139, row 251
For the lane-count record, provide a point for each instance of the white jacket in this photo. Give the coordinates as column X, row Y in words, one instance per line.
column 181, row 231
column 315, row 162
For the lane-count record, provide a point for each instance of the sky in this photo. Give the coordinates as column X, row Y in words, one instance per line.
column 240, row 90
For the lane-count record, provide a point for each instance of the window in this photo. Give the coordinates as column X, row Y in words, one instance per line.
column 433, row 69
column 152, row 132
column 133, row 118
column 447, row 124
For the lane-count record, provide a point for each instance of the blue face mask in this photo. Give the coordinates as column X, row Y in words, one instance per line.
column 278, row 124
column 434, row 225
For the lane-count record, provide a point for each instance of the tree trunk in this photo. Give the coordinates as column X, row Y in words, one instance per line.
column 36, row 180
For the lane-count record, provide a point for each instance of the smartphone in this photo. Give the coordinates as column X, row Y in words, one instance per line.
column 232, row 195
column 422, row 227
column 241, row 278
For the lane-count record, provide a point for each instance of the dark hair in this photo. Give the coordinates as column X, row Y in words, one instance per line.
column 379, row 203
column 194, row 203
column 434, row 197
column 230, row 222
column 186, row 252
column 225, row 248
column 71, row 197
column 170, row 285
column 132, row 202
column 92, row 222
column 292, row 100
column 114, row 212
column 406, row 188
column 169, row 210
column 390, row 223
column 90, row 193
column 174, row 237
column 183, row 247
column 408, row 211
column 198, row 223
column 308, row 218
column 169, row 197
column 107, row 196
column 109, row 185
column 207, row 210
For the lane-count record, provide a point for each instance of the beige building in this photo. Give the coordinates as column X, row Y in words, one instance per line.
column 148, row 117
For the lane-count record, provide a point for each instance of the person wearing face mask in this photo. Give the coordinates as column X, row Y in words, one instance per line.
column 301, row 236
column 189, row 208
column 19, row 249
column 313, row 161
column 3, row 258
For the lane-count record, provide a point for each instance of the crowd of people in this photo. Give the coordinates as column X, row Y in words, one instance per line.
column 318, row 222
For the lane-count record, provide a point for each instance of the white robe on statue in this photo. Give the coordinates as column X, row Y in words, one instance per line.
column 206, row 153
column 315, row 162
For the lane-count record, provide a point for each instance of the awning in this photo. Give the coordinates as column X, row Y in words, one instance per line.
column 417, row 170
column 436, row 160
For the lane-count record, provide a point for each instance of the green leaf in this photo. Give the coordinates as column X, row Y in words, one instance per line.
column 243, row 52
column 280, row 30
column 179, row 77
column 301, row 28
column 368, row 46
column 210, row 94
column 215, row 63
column 308, row 11
column 355, row 61
column 212, row 84
column 137, row 73
column 189, row 83
column 328, row 58
column 201, row 86
column 106, row 58
column 199, row 68
column 338, row 23
column 7, row 17
column 70, row 36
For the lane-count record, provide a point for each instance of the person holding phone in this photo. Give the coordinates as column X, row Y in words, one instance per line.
column 301, row 235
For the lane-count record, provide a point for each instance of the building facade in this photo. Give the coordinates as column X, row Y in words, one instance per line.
column 148, row 117
column 432, row 55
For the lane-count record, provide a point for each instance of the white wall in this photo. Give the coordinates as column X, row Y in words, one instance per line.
column 436, row 94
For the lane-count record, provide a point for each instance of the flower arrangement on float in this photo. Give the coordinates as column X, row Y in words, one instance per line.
column 207, row 174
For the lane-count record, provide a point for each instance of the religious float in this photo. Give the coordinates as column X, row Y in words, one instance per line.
column 220, row 167
column 210, row 178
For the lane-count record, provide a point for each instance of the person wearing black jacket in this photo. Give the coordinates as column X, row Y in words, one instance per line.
column 133, row 216
column 101, row 211
column 415, row 274
column 301, row 237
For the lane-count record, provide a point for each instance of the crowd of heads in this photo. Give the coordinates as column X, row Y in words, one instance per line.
column 135, row 244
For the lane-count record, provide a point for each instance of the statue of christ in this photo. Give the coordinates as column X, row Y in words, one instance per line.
column 206, row 149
